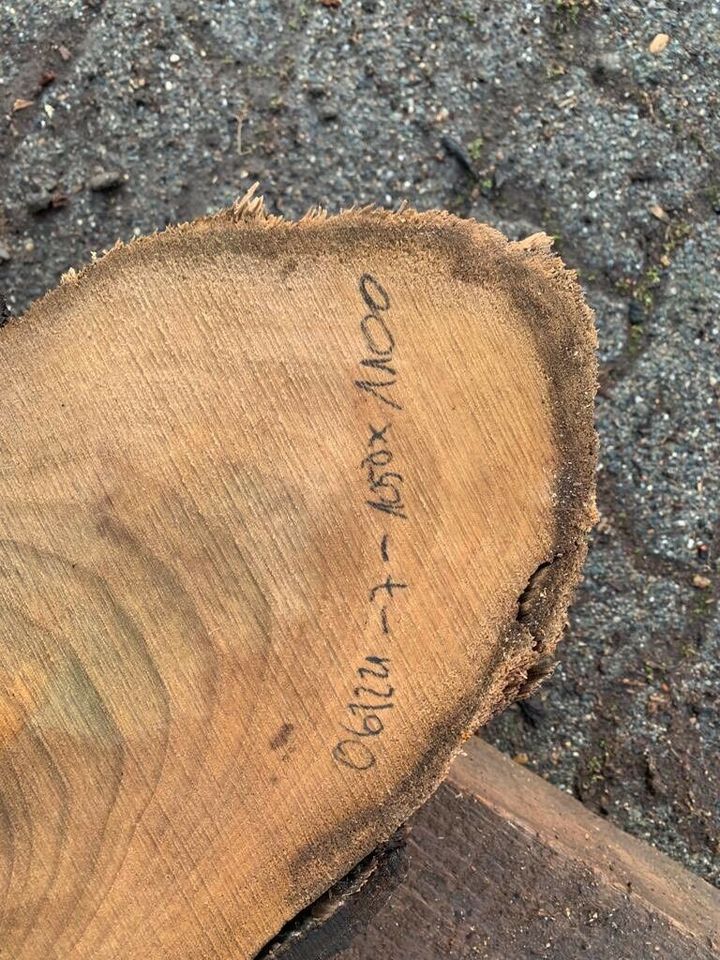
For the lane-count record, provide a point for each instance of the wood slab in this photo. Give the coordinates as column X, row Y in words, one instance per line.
column 286, row 511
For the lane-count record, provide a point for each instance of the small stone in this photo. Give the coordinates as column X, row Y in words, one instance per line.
column 606, row 66
column 174, row 58
column 59, row 199
column 39, row 202
column 5, row 254
column 636, row 314
column 658, row 43
column 316, row 89
column 502, row 173
column 524, row 228
column 29, row 245
column 522, row 758
column 329, row 111
column 603, row 525
column 701, row 582
column 106, row 180
column 64, row 53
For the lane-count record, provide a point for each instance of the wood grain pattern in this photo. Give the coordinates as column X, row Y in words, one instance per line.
column 285, row 510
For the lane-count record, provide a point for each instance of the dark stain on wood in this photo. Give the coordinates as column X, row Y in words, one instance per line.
column 282, row 736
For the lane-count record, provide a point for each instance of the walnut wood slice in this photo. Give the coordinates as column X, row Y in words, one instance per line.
column 286, row 510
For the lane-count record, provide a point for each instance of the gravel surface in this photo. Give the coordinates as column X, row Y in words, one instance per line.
column 120, row 116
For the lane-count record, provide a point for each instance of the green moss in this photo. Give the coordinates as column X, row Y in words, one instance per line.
column 555, row 70
column 596, row 763
column 713, row 196
column 643, row 290
column 676, row 235
column 624, row 286
column 475, row 149
column 568, row 11
column 636, row 335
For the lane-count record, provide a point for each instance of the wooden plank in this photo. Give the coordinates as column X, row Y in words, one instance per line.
column 500, row 865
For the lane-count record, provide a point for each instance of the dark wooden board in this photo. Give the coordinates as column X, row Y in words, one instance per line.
column 500, row 865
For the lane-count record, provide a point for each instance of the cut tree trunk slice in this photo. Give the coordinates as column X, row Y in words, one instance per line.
column 287, row 509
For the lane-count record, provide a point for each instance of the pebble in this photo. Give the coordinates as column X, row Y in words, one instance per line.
column 636, row 314
column 106, row 180
column 701, row 582
column 658, row 43
column 607, row 65
column 39, row 202
column 659, row 213
column 5, row 254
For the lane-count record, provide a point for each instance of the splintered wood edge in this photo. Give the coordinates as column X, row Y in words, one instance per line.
column 564, row 336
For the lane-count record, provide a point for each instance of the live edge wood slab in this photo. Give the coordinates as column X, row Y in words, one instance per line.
column 286, row 511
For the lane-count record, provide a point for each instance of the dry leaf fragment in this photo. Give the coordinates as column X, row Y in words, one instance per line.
column 658, row 43
column 657, row 211
column 21, row 104
column 701, row 582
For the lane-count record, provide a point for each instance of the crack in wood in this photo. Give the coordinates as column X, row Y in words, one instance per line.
column 320, row 930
